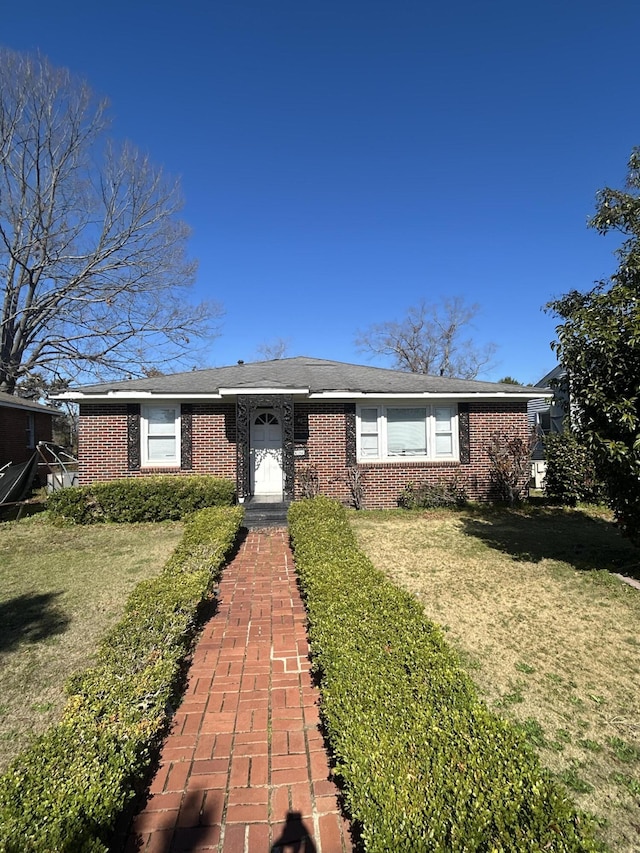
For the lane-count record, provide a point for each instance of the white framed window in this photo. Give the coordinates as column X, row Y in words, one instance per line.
column 443, row 432
column 406, row 431
column 393, row 432
column 369, row 432
column 160, row 435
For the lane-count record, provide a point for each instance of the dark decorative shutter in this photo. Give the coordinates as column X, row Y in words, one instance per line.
column 350, row 434
column 463, row 433
column 186, row 436
column 133, row 436
column 243, row 470
column 288, row 460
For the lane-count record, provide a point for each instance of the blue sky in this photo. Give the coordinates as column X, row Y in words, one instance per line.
column 341, row 161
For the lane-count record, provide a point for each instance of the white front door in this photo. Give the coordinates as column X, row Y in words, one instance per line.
column 266, row 454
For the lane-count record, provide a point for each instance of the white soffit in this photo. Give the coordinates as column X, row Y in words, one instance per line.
column 428, row 395
column 78, row 397
column 238, row 392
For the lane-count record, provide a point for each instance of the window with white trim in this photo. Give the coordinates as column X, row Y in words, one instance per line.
column 406, row 431
column 443, row 420
column 368, row 434
column 160, row 435
column 394, row 432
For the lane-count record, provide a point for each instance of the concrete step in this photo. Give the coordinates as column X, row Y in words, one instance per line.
column 265, row 514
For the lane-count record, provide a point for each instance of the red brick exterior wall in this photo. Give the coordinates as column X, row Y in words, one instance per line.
column 326, row 447
column 13, row 433
column 102, row 443
column 384, row 481
column 214, row 445
column 486, row 419
column 103, row 449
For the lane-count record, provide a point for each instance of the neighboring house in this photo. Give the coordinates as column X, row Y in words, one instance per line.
column 264, row 424
column 23, row 424
column 546, row 415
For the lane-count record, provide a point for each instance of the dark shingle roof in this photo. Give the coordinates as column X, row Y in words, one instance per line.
column 317, row 375
column 557, row 373
column 12, row 401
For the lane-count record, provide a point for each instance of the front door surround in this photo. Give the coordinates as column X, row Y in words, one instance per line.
column 248, row 408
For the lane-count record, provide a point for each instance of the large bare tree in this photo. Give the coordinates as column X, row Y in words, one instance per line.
column 92, row 252
column 275, row 349
column 431, row 338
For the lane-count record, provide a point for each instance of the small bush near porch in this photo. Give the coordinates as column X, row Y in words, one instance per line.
column 544, row 628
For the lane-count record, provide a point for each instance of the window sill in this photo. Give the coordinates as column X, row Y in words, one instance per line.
column 402, row 462
column 159, row 466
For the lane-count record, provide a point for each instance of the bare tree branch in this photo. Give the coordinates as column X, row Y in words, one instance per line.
column 430, row 339
column 277, row 348
column 92, row 253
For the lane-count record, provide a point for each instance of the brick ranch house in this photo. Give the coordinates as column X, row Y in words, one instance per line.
column 263, row 424
column 23, row 424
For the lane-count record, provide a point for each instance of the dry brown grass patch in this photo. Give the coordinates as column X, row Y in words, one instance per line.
column 547, row 633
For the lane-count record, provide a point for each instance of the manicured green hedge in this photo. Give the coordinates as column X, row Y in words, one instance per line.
column 159, row 498
column 68, row 790
column 425, row 766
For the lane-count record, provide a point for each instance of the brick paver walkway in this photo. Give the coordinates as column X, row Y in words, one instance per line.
column 244, row 769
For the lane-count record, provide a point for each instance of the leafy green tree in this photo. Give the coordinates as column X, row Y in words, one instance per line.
column 599, row 344
column 571, row 473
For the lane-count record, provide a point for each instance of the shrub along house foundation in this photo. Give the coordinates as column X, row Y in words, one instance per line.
column 274, row 426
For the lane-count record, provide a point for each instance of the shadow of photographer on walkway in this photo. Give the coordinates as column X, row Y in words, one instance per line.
column 295, row 837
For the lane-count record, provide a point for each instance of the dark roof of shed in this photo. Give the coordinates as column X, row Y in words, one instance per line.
column 317, row 375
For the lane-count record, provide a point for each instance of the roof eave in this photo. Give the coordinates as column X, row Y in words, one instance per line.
column 426, row 395
column 78, row 397
column 257, row 390
column 34, row 409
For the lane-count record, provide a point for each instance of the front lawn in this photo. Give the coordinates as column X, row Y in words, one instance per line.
column 546, row 631
column 61, row 588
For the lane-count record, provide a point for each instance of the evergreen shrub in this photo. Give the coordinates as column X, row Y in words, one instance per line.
column 423, row 764
column 135, row 499
column 67, row 792
column 571, row 473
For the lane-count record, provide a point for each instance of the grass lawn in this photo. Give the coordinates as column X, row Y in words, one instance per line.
column 61, row 588
column 548, row 634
